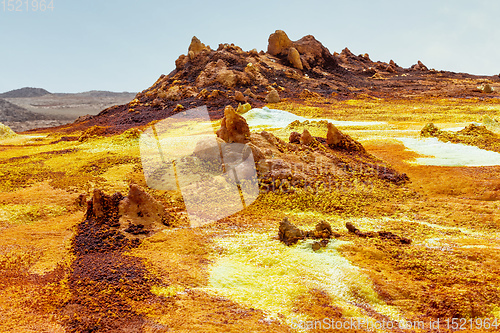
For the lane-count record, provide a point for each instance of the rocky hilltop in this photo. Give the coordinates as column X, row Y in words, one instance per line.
column 24, row 93
column 291, row 70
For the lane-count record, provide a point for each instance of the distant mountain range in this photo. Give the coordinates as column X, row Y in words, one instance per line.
column 10, row 112
column 27, row 108
column 29, row 92
column 24, row 93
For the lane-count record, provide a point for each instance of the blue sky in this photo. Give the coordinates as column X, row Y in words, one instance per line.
column 126, row 45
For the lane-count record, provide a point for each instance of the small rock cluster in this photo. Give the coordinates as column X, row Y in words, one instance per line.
column 472, row 135
column 387, row 235
column 303, row 161
column 334, row 140
column 289, row 234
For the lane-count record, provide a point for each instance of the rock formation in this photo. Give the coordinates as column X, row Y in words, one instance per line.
column 429, row 130
column 239, row 97
column 272, row 96
column 419, row 66
column 306, row 52
column 333, row 136
column 385, row 235
column 294, row 137
column 486, row 88
column 294, row 58
column 288, row 233
column 234, row 127
column 115, row 222
column 306, row 93
column 140, row 208
column 306, row 138
column 297, row 163
column 195, row 47
column 472, row 135
column 338, row 140
column 6, row 132
column 214, row 78
column 278, row 43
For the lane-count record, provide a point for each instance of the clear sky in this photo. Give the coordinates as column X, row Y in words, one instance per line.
column 126, row 45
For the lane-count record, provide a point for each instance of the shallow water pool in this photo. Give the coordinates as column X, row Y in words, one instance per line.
column 274, row 118
column 449, row 154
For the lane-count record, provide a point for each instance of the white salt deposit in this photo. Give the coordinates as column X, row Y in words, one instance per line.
column 450, row 154
column 261, row 272
column 274, row 118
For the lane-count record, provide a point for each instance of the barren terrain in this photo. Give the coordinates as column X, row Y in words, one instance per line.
column 89, row 244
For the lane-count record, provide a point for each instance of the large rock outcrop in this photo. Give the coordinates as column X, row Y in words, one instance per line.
column 307, row 52
column 304, row 161
column 278, row 43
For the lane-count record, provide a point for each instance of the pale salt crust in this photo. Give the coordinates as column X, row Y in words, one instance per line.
column 449, row 154
column 273, row 118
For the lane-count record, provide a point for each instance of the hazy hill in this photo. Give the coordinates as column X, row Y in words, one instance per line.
column 24, row 92
column 12, row 113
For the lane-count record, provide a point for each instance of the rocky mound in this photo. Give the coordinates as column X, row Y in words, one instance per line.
column 229, row 75
column 290, row 70
column 472, row 135
column 24, row 92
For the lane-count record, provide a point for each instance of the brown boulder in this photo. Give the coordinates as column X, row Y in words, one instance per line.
column 419, row 66
column 323, row 230
column 351, row 228
column 318, row 245
column 234, row 128
column 486, row 88
column 273, row 97
column 422, row 66
column 390, row 69
column 294, row 137
column 288, row 233
column 306, row 138
column 294, row 58
column 333, row 136
column 278, row 43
